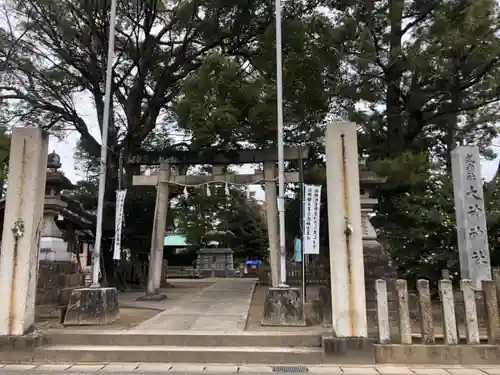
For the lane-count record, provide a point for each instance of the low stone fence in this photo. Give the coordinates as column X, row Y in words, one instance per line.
column 136, row 273
column 317, row 274
column 182, row 272
column 458, row 339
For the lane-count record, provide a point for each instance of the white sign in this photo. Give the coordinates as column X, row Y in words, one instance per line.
column 312, row 204
column 120, row 203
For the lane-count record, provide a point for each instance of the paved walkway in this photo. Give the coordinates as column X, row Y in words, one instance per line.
column 192, row 368
column 221, row 307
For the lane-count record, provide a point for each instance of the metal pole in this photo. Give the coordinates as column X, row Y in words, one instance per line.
column 104, row 146
column 281, row 158
column 301, row 226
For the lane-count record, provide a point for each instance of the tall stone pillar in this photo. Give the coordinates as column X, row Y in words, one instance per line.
column 345, row 231
column 472, row 232
column 21, row 230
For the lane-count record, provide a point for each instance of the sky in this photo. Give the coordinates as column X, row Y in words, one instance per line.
column 65, row 148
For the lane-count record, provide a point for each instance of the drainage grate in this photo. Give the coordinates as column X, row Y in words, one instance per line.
column 290, row 369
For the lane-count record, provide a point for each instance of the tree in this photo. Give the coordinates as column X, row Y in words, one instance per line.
column 231, row 102
column 228, row 101
column 408, row 61
column 416, row 216
column 62, row 55
column 139, row 202
column 427, row 75
column 4, row 158
column 199, row 213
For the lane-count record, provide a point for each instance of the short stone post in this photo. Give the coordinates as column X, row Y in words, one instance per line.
column 22, row 228
column 242, row 271
column 448, row 310
column 425, row 305
column 383, row 326
column 403, row 312
column 496, row 278
column 491, row 304
column 471, row 322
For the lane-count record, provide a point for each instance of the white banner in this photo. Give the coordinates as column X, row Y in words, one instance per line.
column 120, row 203
column 312, row 204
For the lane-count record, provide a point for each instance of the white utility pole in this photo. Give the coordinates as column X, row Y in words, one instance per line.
column 104, row 147
column 281, row 156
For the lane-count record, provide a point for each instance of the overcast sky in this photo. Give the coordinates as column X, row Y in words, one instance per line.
column 65, row 148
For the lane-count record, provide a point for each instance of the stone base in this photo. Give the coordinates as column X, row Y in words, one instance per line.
column 25, row 342
column 416, row 354
column 152, row 297
column 284, row 307
column 56, row 280
column 355, row 349
column 216, row 273
column 92, row 306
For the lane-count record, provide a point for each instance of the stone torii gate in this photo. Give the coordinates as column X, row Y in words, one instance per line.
column 219, row 160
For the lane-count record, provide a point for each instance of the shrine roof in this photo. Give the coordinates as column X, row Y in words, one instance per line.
column 57, row 178
column 68, row 208
column 368, row 177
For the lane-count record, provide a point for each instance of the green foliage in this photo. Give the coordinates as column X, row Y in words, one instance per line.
column 416, row 217
column 419, row 77
column 199, row 214
column 427, row 75
column 426, row 81
column 232, row 100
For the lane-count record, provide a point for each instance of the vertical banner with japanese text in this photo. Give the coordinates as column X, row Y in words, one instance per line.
column 120, row 203
column 312, row 204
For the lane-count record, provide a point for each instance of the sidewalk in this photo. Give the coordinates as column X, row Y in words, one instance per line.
column 221, row 307
column 191, row 368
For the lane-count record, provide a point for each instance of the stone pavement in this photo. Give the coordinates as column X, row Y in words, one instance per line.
column 190, row 368
column 221, row 307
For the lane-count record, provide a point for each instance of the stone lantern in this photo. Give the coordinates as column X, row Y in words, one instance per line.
column 377, row 262
column 53, row 247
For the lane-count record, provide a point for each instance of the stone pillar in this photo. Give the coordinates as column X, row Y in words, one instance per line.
column 158, row 235
column 272, row 221
column 472, row 233
column 22, row 229
column 345, row 233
